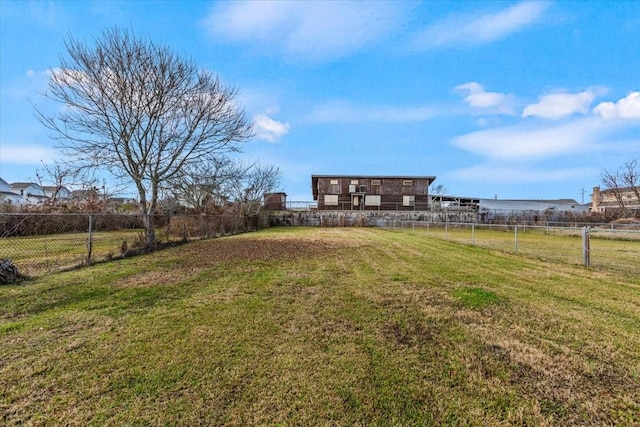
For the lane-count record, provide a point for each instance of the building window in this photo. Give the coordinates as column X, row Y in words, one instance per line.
column 333, row 182
column 408, row 200
column 331, row 200
column 372, row 200
column 354, row 182
column 375, row 182
column 407, row 182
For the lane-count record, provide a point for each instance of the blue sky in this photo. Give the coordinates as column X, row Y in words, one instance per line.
column 510, row 99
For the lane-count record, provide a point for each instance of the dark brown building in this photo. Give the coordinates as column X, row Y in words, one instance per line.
column 275, row 202
column 371, row 193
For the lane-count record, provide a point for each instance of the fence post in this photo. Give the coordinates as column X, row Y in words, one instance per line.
column 586, row 250
column 516, row 238
column 473, row 234
column 90, row 240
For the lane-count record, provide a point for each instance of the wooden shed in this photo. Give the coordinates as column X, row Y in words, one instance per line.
column 275, row 201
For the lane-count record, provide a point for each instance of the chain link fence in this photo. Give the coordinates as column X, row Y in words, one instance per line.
column 43, row 243
column 597, row 246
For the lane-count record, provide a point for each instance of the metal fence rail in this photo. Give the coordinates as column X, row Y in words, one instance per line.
column 42, row 243
column 598, row 247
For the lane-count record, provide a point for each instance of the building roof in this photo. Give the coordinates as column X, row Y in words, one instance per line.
column 54, row 187
column 620, row 189
column 23, row 184
column 431, row 178
column 530, row 205
column 552, row 201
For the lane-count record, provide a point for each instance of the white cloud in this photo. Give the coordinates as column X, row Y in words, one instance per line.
column 626, row 108
column 20, row 154
column 510, row 152
column 523, row 141
column 497, row 173
column 305, row 30
column 268, row 129
column 343, row 112
column 486, row 102
column 562, row 104
column 475, row 29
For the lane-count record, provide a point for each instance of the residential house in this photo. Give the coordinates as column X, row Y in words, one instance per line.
column 7, row 195
column 371, row 193
column 58, row 192
column 83, row 195
column 29, row 192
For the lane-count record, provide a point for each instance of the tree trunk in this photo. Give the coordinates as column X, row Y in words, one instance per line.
column 147, row 212
column 150, row 233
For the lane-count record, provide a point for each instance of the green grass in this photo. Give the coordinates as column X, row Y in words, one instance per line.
column 322, row 326
column 476, row 297
column 609, row 251
column 37, row 255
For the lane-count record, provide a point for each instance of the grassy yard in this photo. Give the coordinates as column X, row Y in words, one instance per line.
column 322, row 326
column 617, row 251
column 37, row 255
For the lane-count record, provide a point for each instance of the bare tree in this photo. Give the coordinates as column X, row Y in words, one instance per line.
column 631, row 179
column 58, row 175
column 200, row 185
column 613, row 181
column 137, row 110
column 626, row 179
column 61, row 175
column 254, row 181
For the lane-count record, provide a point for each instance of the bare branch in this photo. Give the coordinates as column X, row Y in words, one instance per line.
column 631, row 179
column 613, row 182
column 256, row 180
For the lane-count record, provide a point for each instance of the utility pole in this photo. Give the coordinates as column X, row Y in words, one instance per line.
column 582, row 194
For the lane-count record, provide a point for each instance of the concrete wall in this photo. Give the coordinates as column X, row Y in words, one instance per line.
column 359, row 218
